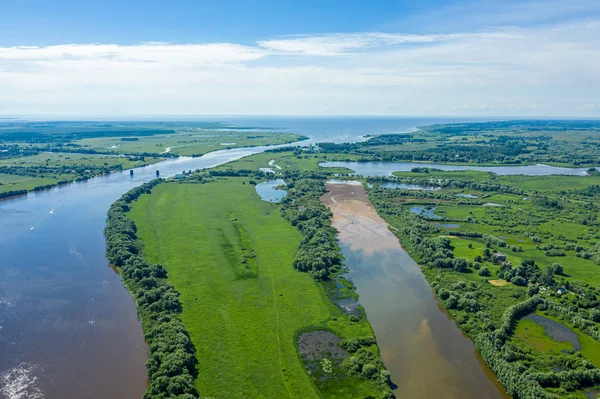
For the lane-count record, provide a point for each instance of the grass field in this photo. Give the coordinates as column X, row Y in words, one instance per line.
column 16, row 182
column 531, row 333
column 194, row 142
column 244, row 303
column 288, row 161
column 58, row 167
column 56, row 160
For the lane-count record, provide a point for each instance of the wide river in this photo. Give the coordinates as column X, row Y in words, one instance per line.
column 68, row 327
column 422, row 347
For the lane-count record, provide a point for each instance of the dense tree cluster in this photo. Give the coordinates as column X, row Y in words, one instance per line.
column 318, row 253
column 172, row 358
column 415, row 232
column 366, row 363
column 48, row 136
column 12, row 193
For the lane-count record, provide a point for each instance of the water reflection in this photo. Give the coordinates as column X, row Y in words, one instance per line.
column 268, row 190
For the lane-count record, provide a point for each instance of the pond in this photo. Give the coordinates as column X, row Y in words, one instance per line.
column 268, row 191
column 386, row 168
column 467, row 195
column 555, row 330
column 272, row 163
column 425, row 211
column 448, row 225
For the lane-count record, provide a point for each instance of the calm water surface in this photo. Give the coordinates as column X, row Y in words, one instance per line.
column 268, row 192
column 424, row 350
column 386, row 168
column 68, row 328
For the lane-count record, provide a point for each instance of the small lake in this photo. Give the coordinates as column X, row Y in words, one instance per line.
column 467, row 196
column 555, row 330
column 448, row 225
column 272, row 163
column 425, row 211
column 268, row 191
column 386, row 168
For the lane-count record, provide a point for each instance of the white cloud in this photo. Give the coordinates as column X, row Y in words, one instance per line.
column 345, row 44
column 151, row 52
column 554, row 70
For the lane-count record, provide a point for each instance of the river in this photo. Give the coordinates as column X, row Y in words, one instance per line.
column 422, row 347
column 68, row 327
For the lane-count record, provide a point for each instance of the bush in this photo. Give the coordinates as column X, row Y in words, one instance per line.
column 484, row 272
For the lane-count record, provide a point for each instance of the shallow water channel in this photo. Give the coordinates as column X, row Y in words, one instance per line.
column 421, row 345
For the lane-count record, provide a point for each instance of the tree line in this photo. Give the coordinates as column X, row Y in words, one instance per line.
column 172, row 359
column 318, row 253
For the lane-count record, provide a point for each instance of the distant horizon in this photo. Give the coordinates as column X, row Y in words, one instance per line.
column 182, row 117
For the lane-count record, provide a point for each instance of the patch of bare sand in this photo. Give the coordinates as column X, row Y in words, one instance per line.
column 498, row 283
column 356, row 221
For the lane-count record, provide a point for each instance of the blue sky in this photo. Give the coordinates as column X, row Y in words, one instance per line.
column 530, row 58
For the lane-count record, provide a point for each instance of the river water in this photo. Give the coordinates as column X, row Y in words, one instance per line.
column 68, row 327
column 386, row 168
column 422, row 347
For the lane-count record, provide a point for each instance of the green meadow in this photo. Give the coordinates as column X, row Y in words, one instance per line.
column 187, row 142
column 230, row 256
column 60, row 160
column 289, row 161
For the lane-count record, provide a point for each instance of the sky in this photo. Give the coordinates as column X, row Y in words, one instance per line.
column 240, row 57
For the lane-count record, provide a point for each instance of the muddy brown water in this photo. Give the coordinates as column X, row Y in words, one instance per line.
column 426, row 353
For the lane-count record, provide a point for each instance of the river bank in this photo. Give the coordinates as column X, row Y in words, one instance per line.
column 426, row 353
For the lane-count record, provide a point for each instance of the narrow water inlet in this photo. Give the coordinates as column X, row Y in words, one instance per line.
column 422, row 347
